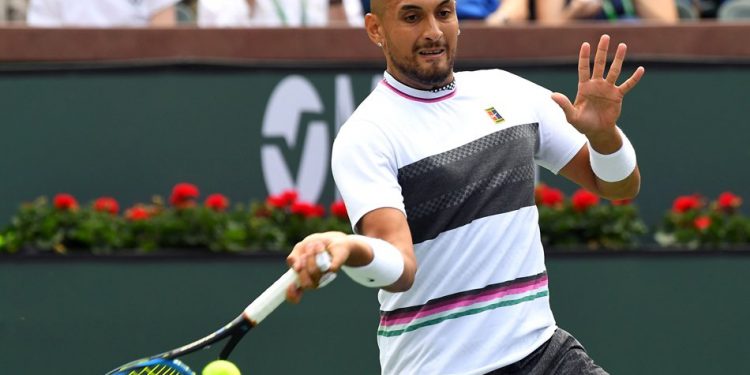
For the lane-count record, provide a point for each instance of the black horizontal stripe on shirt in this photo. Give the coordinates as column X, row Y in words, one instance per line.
column 405, row 311
column 488, row 176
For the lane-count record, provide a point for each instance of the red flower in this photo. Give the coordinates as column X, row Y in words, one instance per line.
column 622, row 202
column 702, row 222
column 547, row 196
column 317, row 211
column 728, row 201
column 306, row 209
column 583, row 199
column 686, row 203
column 107, row 204
column 276, row 201
column 289, row 196
column 286, row 199
column 184, row 195
column 65, row 202
column 138, row 213
column 338, row 209
column 217, row 202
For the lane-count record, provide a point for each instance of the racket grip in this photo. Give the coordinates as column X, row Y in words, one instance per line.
column 272, row 297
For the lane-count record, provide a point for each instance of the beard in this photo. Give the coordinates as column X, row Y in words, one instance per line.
column 432, row 75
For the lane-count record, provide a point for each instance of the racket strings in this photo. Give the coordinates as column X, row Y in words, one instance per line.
column 158, row 366
column 158, row 370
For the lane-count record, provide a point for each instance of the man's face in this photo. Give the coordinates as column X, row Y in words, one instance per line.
column 420, row 41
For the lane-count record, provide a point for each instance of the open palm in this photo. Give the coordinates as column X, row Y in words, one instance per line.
column 598, row 103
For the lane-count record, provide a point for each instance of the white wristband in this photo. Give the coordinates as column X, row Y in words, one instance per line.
column 385, row 269
column 616, row 166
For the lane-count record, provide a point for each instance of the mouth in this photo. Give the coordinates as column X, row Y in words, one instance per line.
column 431, row 52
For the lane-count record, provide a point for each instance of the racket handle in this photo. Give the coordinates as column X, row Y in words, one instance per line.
column 272, row 297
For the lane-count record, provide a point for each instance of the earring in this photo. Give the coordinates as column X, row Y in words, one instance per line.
column 459, row 32
column 380, row 44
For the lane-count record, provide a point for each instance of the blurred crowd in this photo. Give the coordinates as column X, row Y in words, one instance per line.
column 297, row 13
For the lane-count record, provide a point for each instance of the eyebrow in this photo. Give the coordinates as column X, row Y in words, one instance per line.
column 408, row 7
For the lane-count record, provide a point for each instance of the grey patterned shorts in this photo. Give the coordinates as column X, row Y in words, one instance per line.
column 560, row 355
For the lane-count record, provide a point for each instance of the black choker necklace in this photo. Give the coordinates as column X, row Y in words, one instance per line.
column 447, row 87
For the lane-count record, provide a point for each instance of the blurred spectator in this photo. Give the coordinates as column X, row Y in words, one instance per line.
column 705, row 8
column 494, row 12
column 101, row 13
column 278, row 13
column 561, row 11
column 12, row 10
column 734, row 10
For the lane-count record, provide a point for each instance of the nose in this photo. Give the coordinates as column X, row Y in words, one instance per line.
column 432, row 29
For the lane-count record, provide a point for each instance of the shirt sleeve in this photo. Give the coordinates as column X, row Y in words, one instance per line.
column 365, row 171
column 559, row 141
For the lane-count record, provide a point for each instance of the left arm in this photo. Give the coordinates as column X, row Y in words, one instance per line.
column 594, row 113
column 579, row 171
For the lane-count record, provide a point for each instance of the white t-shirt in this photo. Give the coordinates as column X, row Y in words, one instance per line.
column 460, row 163
column 273, row 13
column 94, row 13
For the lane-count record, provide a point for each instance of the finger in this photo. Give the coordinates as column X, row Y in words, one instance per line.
column 312, row 266
column 616, row 68
column 293, row 260
column 293, row 294
column 632, row 81
column 584, row 70
column 600, row 60
column 304, row 280
column 565, row 104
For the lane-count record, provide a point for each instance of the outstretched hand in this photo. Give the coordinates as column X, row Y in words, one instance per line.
column 598, row 102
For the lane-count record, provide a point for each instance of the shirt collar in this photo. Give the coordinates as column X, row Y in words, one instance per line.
column 434, row 94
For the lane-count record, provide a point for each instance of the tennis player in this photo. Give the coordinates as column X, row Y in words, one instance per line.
column 436, row 168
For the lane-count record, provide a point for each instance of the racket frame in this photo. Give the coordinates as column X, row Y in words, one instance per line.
column 254, row 313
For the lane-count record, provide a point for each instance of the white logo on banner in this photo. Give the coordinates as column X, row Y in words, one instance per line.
column 290, row 99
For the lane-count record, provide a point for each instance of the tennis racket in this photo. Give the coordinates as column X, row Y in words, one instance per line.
column 167, row 363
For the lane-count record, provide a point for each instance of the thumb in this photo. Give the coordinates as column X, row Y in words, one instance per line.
column 564, row 103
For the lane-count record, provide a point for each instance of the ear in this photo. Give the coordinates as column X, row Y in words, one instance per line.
column 374, row 29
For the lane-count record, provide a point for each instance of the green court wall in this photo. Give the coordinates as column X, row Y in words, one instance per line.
column 134, row 132
column 636, row 313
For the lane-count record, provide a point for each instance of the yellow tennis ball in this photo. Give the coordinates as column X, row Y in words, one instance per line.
column 221, row 367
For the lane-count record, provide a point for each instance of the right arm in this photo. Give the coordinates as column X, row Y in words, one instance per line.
column 364, row 167
column 387, row 224
column 390, row 224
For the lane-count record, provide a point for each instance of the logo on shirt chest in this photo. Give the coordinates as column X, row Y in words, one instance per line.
column 494, row 115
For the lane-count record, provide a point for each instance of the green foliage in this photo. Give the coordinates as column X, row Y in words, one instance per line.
column 277, row 224
column 691, row 223
column 583, row 222
column 44, row 227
